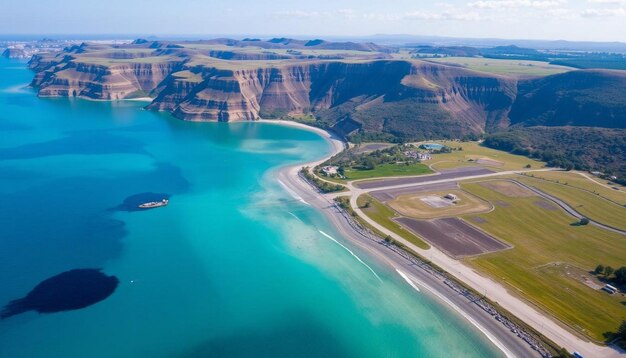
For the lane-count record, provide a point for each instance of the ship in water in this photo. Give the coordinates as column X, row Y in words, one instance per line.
column 154, row 204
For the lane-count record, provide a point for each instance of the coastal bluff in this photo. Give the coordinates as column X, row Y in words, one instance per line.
column 202, row 81
column 344, row 86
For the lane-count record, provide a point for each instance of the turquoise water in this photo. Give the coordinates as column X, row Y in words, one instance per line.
column 233, row 267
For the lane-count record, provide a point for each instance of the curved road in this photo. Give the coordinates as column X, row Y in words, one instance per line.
column 495, row 291
column 569, row 209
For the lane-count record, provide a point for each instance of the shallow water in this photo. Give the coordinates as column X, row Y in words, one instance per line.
column 233, row 266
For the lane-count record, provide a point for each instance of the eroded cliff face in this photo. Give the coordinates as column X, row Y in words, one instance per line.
column 476, row 101
column 95, row 81
column 378, row 95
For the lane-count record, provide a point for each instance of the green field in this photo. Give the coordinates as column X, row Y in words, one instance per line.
column 383, row 215
column 387, row 170
column 514, row 68
column 473, row 151
column 549, row 258
column 597, row 186
column 589, row 204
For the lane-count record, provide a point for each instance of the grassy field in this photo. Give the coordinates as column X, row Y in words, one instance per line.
column 514, row 68
column 473, row 151
column 545, row 242
column 596, row 186
column 411, row 205
column 387, row 170
column 585, row 202
column 383, row 215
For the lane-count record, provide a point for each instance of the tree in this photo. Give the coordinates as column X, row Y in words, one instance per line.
column 369, row 164
column 620, row 274
column 563, row 353
column 584, row 221
column 621, row 331
column 599, row 269
column 608, row 271
column 528, row 166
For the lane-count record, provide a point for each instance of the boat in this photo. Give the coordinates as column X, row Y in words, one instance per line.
column 154, row 204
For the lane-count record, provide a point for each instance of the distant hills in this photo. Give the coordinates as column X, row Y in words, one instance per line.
column 362, row 90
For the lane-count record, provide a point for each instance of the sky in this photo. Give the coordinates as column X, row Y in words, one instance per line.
column 586, row 20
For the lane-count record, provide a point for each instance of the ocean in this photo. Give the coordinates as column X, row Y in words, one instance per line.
column 233, row 267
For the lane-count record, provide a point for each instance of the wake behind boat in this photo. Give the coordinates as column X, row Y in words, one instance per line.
column 154, row 204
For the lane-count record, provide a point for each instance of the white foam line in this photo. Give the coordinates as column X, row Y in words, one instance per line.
column 294, row 215
column 292, row 193
column 408, row 280
column 23, row 88
column 482, row 329
column 351, row 253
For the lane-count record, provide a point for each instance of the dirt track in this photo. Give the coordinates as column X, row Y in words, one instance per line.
column 454, row 236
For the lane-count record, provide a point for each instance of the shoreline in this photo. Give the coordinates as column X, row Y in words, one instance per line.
column 501, row 337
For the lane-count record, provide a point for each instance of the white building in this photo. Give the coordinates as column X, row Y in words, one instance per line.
column 329, row 170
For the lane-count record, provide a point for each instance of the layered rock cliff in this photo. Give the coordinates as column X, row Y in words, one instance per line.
column 467, row 100
column 223, row 81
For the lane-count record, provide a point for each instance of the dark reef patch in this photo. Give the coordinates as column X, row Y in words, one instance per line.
column 70, row 290
column 132, row 202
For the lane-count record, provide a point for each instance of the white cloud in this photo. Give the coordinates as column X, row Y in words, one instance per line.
column 451, row 14
column 609, row 2
column 592, row 13
column 297, row 14
column 507, row 4
column 347, row 13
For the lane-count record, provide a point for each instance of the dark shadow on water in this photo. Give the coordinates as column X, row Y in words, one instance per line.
column 84, row 143
column 132, row 202
column 301, row 337
column 65, row 223
column 7, row 125
column 70, row 290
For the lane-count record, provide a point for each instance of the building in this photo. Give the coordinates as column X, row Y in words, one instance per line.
column 329, row 170
column 610, row 289
column 423, row 156
column 416, row 155
column 451, row 197
column 432, row 146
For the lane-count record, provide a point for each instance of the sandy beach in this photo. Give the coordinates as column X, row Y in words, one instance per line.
column 497, row 332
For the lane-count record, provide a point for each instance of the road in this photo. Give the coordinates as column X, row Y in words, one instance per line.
column 495, row 291
column 571, row 210
column 500, row 335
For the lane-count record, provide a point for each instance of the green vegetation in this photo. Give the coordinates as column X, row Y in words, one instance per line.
column 383, row 215
column 399, row 160
column 515, row 68
column 323, row 186
column 587, row 203
column 578, row 148
column 620, row 336
column 471, row 153
column 386, row 170
column 551, row 260
column 607, row 273
column 585, row 182
column 613, row 61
